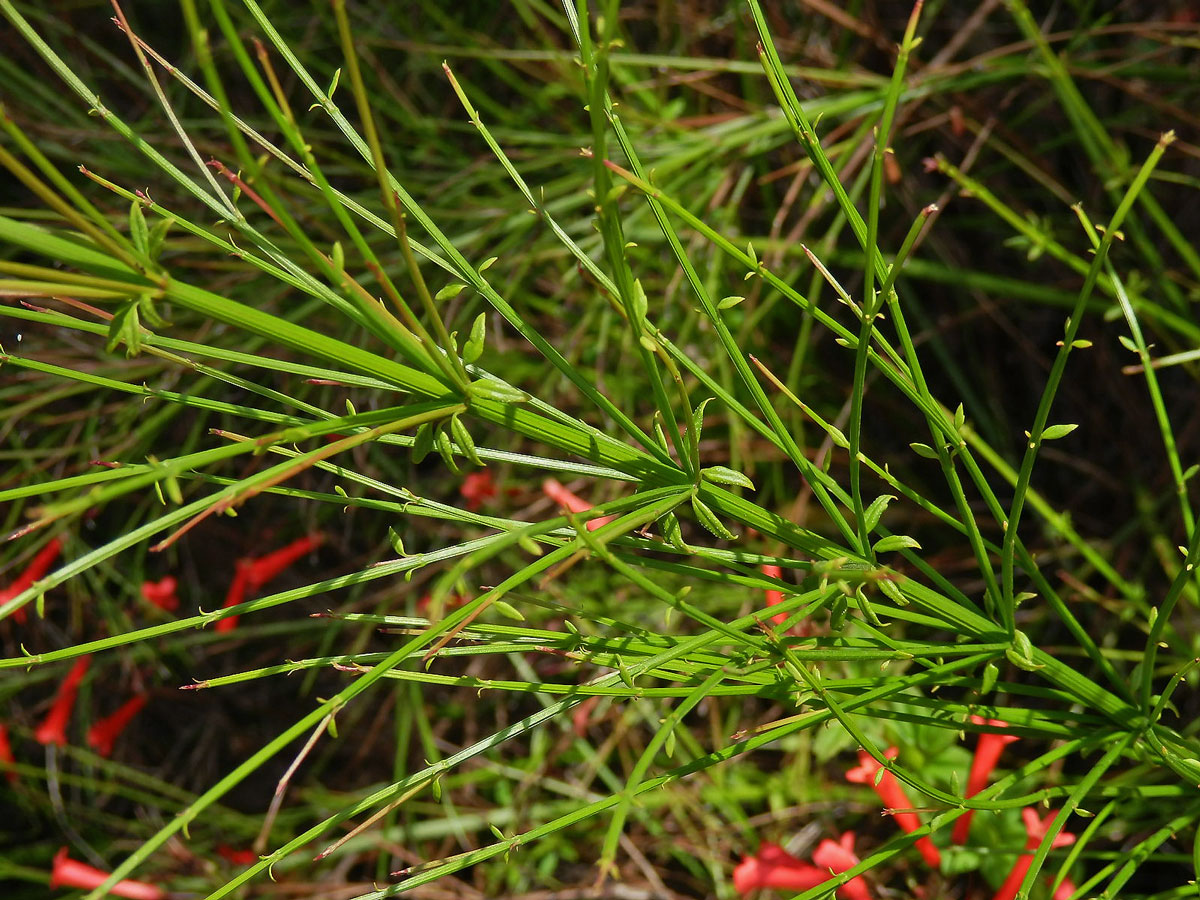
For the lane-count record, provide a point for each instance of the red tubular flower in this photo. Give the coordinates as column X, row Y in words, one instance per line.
column 265, row 568
column 236, row 857
column 478, row 488
column 234, row 596
column 774, row 598
column 252, row 574
column 837, row 857
column 892, row 794
column 53, row 729
column 1035, row 830
column 162, row 593
column 38, row 566
column 572, row 502
column 7, row 760
column 987, row 754
column 70, row 873
column 774, row 867
column 104, row 733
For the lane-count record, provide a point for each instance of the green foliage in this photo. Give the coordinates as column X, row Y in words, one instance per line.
column 307, row 233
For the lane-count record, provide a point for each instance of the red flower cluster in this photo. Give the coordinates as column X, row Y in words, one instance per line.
column 987, row 754
column 70, row 873
column 103, row 733
column 252, row 573
column 774, row 867
column 38, row 566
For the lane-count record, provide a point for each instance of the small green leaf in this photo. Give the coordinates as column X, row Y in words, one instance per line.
column 991, row 672
column 873, row 513
column 1127, row 343
column 837, row 613
column 149, row 312
column 337, row 258
column 698, row 418
column 957, row 861
column 614, row 193
column 450, row 290
column 508, row 610
column 158, row 235
column 729, row 302
column 396, row 541
column 487, row 389
column 441, row 440
column 640, row 305
column 422, row 443
column 1080, row 344
column 529, row 545
column 671, row 531
column 626, row 675
column 487, row 264
column 838, row 438
column 138, row 232
column 463, row 438
column 924, row 450
column 726, row 475
column 890, row 589
column 960, row 417
column 1054, row 432
column 173, row 491
column 1020, row 653
column 709, row 520
column 659, row 433
column 895, row 542
column 125, row 328
column 473, row 348
column 750, row 252
column 669, row 744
